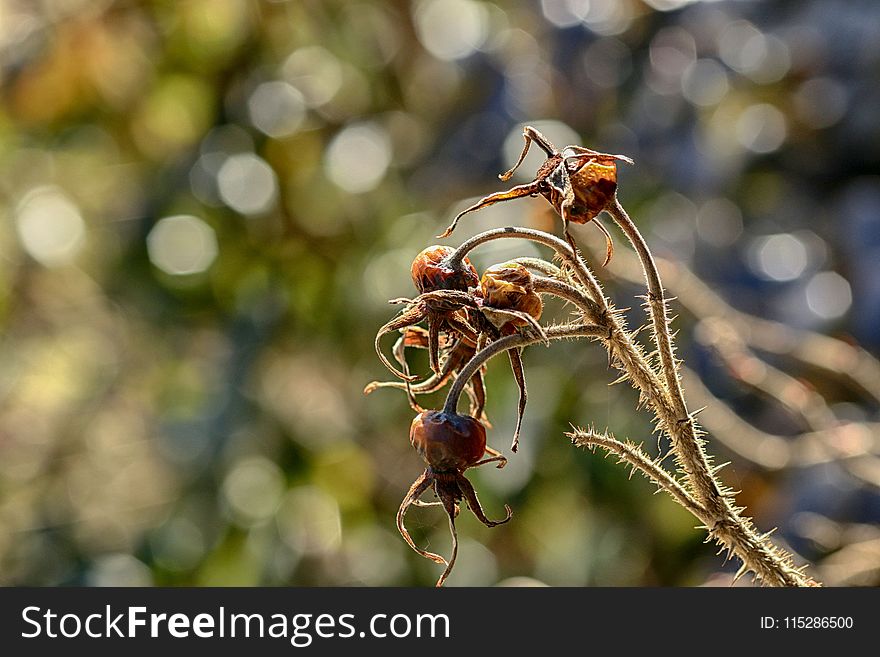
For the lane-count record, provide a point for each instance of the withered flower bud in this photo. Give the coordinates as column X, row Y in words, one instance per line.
column 508, row 286
column 593, row 183
column 578, row 182
column 431, row 271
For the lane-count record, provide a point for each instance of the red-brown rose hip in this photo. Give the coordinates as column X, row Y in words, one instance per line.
column 448, row 441
column 430, row 272
column 509, row 286
column 450, row 444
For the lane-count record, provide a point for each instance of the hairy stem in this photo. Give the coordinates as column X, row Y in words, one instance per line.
column 633, row 454
column 562, row 248
column 661, row 391
column 510, row 342
column 724, row 522
column 834, row 356
column 656, row 304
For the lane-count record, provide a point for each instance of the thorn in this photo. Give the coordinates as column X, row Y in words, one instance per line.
column 715, row 469
column 767, row 535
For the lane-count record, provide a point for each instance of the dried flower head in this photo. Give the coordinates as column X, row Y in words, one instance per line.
column 449, row 444
column 431, row 271
column 509, row 286
column 502, row 303
column 578, row 182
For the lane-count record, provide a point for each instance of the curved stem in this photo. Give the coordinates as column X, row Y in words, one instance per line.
column 851, row 363
column 565, row 251
column 659, row 389
column 568, row 293
column 509, row 342
column 656, row 303
column 539, row 265
column 695, row 460
column 633, row 454
column 724, row 522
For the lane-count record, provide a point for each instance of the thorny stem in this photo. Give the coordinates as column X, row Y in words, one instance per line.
column 567, row 292
column 828, row 354
column 725, row 524
column 633, row 454
column 724, row 521
column 542, row 266
column 510, row 342
column 735, row 336
column 629, row 452
column 656, row 305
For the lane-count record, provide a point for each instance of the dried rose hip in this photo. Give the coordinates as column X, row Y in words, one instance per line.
column 578, row 182
column 450, row 444
column 509, row 286
column 444, row 294
column 431, row 272
column 448, row 441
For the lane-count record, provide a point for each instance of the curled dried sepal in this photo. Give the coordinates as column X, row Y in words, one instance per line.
column 511, row 321
column 419, row 486
column 442, row 311
column 450, row 488
column 531, row 189
column 516, row 365
column 470, row 496
column 410, row 316
column 458, row 354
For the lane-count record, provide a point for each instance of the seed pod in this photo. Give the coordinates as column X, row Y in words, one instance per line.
column 431, row 272
column 508, row 286
column 448, row 442
column 593, row 182
column 578, row 182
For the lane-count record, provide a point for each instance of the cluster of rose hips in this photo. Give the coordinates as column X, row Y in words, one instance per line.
column 462, row 313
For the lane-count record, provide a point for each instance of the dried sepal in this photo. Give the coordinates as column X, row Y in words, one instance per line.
column 458, row 355
column 516, row 365
column 419, row 486
column 531, row 189
column 410, row 316
column 450, row 488
column 441, row 311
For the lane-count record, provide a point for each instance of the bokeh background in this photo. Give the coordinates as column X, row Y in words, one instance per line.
column 207, row 203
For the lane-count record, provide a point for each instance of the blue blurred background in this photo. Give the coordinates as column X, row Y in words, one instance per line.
column 207, row 203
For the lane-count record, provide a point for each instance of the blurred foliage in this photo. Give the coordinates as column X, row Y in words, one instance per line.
column 207, row 203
